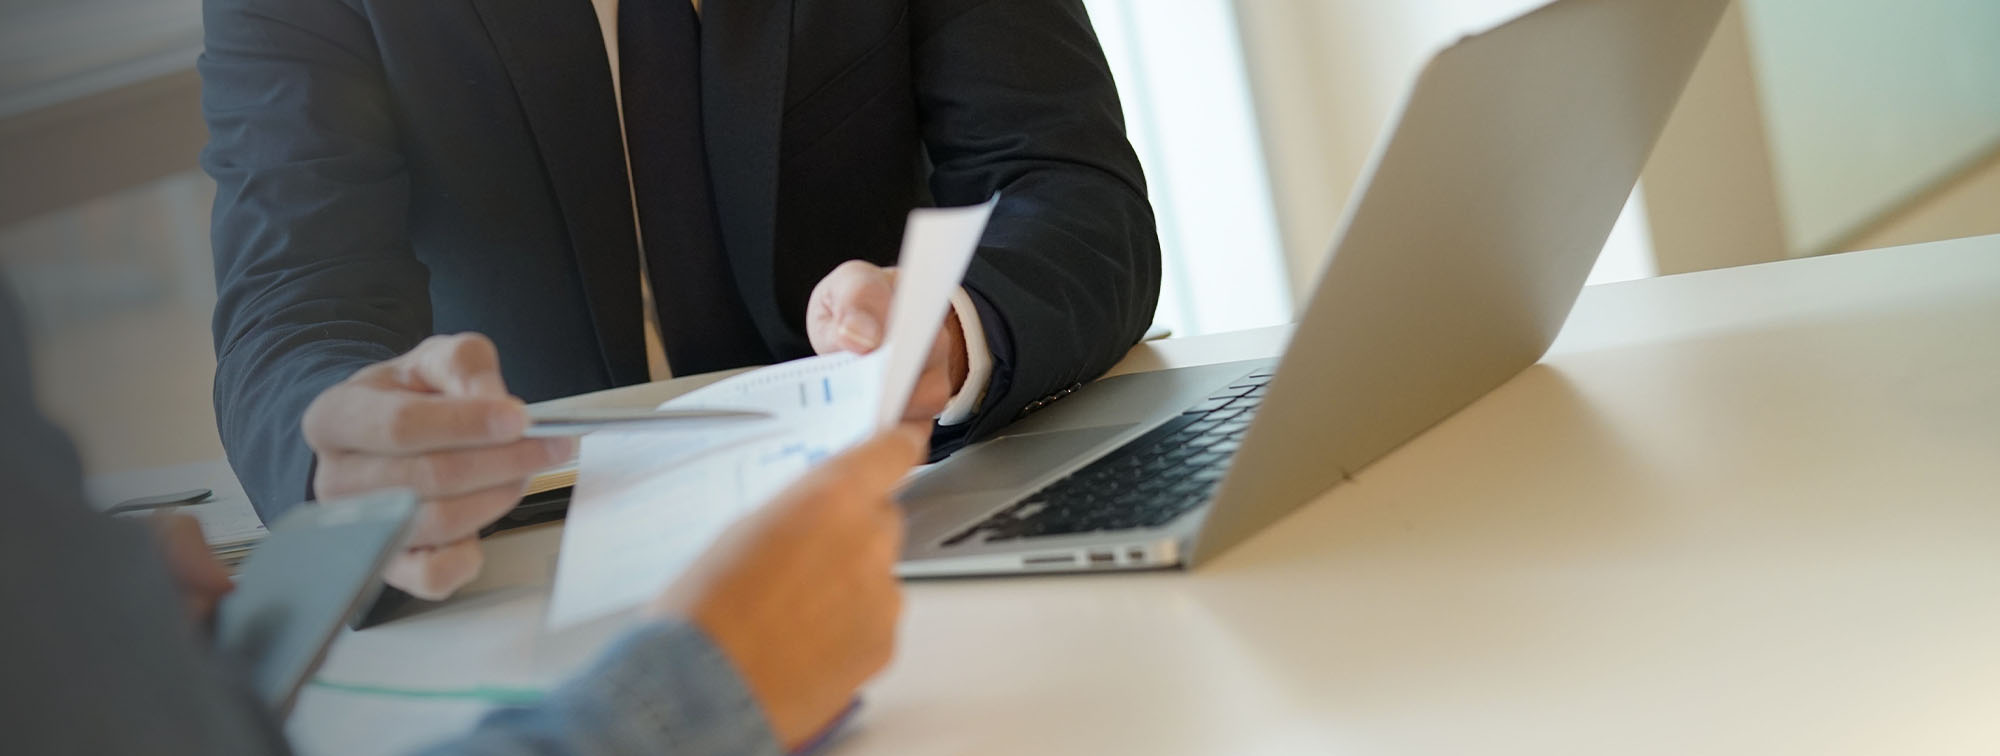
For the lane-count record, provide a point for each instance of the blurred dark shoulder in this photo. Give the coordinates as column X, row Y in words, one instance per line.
column 38, row 463
column 95, row 631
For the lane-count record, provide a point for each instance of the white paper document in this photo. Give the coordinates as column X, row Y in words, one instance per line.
column 646, row 504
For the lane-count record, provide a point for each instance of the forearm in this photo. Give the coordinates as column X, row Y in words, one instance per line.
column 1057, row 321
column 315, row 275
column 262, row 388
column 664, row 688
column 1019, row 101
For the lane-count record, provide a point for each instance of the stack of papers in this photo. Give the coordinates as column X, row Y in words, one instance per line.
column 228, row 522
column 646, row 503
column 552, row 479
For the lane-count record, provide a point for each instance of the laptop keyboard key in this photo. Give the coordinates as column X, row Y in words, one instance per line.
column 1208, row 405
column 1147, row 483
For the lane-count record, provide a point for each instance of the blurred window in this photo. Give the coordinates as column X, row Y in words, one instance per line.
column 1188, row 109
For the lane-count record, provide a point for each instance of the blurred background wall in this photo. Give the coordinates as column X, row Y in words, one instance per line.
column 1878, row 112
column 104, row 222
column 1813, row 126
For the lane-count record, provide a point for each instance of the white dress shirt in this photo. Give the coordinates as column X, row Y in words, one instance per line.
column 978, row 357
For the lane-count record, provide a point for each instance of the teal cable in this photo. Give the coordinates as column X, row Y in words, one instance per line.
column 487, row 694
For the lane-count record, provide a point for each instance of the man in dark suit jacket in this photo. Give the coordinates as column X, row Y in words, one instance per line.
column 579, row 186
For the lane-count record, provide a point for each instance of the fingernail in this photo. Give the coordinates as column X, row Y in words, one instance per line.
column 860, row 330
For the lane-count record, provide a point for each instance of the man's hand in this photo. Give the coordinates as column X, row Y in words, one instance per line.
column 200, row 580
column 802, row 595
column 849, row 311
column 437, row 420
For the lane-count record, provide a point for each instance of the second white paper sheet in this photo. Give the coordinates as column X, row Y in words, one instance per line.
column 646, row 504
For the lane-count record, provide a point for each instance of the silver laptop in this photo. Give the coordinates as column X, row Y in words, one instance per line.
column 1479, row 220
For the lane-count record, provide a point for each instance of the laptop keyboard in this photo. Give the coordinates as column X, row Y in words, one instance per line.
column 1146, row 483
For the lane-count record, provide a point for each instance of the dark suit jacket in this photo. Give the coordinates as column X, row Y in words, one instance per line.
column 390, row 169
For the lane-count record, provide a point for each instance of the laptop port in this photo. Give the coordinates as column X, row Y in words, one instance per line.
column 1049, row 560
column 1103, row 558
column 1135, row 555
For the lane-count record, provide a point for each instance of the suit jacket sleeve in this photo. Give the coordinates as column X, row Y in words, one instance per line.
column 1017, row 99
column 315, row 275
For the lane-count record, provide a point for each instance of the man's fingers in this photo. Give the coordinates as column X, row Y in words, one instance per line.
column 358, row 417
column 857, row 329
column 443, row 474
column 852, row 308
column 920, row 433
column 458, row 518
column 465, row 364
column 929, row 396
column 432, row 573
column 943, row 376
column 934, row 386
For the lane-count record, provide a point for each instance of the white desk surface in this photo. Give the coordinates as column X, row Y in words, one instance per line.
column 1748, row 511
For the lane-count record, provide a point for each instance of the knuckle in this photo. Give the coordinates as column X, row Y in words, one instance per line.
column 432, row 473
column 331, row 477
column 471, row 352
column 406, row 424
column 312, row 425
column 323, row 416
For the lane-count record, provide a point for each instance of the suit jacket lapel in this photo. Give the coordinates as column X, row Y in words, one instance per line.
column 744, row 46
column 554, row 53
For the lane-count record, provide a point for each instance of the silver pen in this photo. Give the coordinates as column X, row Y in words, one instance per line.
column 558, row 423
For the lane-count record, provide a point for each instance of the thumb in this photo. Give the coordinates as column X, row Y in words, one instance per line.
column 857, row 296
column 858, row 331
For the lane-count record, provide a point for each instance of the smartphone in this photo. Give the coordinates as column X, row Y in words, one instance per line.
column 320, row 565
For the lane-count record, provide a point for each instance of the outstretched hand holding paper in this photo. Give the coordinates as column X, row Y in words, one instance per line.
column 937, row 247
column 645, row 504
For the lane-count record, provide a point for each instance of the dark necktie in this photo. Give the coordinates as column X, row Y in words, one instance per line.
column 703, row 323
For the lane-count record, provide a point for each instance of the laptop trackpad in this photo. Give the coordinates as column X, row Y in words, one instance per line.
column 1009, row 462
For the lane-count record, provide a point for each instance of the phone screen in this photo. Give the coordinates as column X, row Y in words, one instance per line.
column 319, row 565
